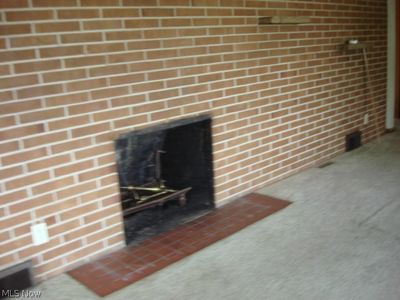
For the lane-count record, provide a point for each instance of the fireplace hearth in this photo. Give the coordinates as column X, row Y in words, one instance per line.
column 165, row 176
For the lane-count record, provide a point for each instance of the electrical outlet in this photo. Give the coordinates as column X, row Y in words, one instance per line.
column 39, row 233
column 366, row 118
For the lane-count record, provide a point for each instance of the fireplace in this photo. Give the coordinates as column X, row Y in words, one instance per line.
column 165, row 176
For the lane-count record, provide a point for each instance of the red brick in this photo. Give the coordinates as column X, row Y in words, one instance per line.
column 69, row 122
column 99, row 3
column 9, row 56
column 7, row 198
column 8, row 147
column 48, row 162
column 42, row 40
column 129, row 100
column 108, row 70
column 130, row 121
column 21, row 132
column 156, row 33
column 37, row 66
column 4, row 236
column 61, row 51
column 37, row 91
column 206, row 22
column 7, row 121
column 103, row 24
column 13, row 3
column 51, row 3
column 175, row 2
column 86, row 84
column 204, row 3
column 10, row 172
column 109, row 231
column 106, row 159
column 85, row 61
column 180, row 82
column 51, row 254
column 109, row 92
column 23, row 156
column 29, row 15
column 144, row 45
column 157, row 12
column 42, row 115
column 56, row 27
column 101, row 214
column 71, row 145
column 102, row 48
column 148, row 86
column 163, row 94
column 78, row 13
column 64, row 75
column 89, row 130
column 190, row 12
column 166, row 114
column 74, row 168
column 63, row 227
column 78, row 38
column 173, row 43
column 88, row 107
column 126, row 57
column 16, row 81
column 145, row 66
column 83, row 231
column 95, row 151
column 17, row 243
column 67, row 99
column 161, row 54
column 139, row 2
column 97, row 173
column 162, row 74
column 32, row 250
column 142, row 23
column 27, row 180
column 14, row 29
column 99, row 193
column 120, row 13
column 5, row 70
column 75, row 190
column 30, row 204
column 45, row 139
column 53, row 185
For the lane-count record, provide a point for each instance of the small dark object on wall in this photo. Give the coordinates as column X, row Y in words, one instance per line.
column 353, row 141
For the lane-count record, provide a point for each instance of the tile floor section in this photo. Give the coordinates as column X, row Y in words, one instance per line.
column 123, row 267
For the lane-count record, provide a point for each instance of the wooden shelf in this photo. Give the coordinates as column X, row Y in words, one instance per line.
column 283, row 20
column 357, row 46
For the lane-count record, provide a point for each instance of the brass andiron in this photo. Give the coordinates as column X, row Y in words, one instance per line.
column 153, row 193
column 158, row 191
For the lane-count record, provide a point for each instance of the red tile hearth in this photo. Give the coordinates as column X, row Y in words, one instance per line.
column 125, row 266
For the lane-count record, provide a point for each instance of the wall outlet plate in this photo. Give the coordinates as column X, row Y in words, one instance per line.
column 366, row 118
column 40, row 234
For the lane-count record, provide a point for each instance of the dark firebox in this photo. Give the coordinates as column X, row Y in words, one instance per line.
column 165, row 175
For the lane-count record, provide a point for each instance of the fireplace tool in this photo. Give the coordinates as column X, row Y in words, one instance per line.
column 151, row 194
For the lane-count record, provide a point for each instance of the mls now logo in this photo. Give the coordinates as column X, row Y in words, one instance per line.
column 20, row 294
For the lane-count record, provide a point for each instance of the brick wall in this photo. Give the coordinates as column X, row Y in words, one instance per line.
column 77, row 73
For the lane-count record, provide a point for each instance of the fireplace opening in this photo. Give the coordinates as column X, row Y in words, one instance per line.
column 165, row 176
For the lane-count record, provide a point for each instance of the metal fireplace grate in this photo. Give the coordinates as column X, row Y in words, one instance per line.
column 154, row 193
